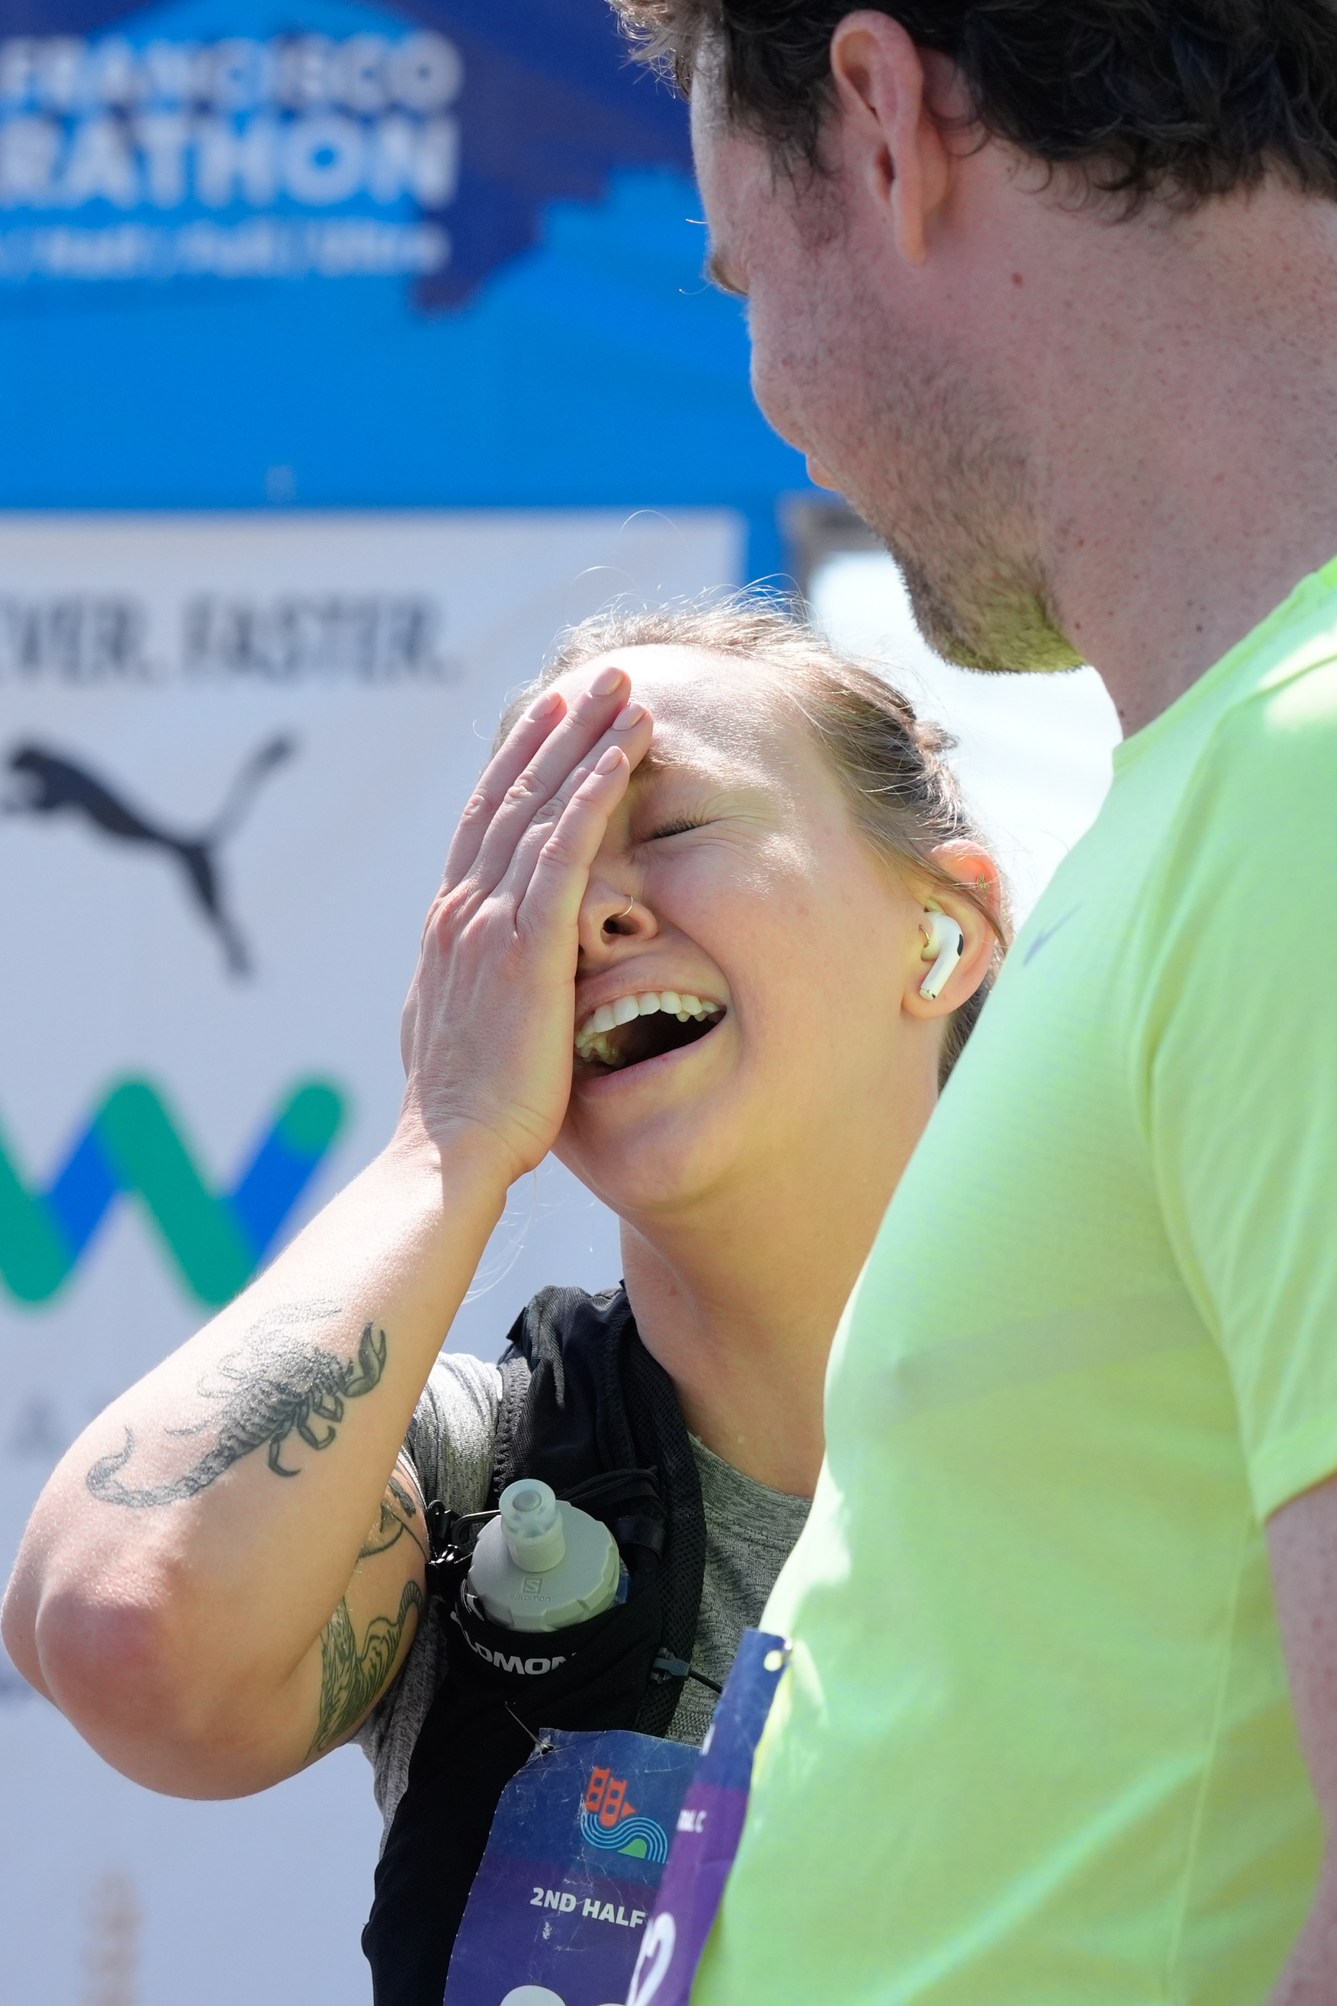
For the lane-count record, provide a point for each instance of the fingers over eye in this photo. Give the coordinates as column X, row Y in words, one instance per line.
column 556, row 877
column 552, row 775
column 622, row 746
column 536, row 723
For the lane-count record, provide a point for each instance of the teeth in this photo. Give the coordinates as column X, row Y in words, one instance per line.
column 592, row 1040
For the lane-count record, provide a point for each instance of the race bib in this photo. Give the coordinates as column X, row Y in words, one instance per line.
column 709, row 1826
column 578, row 1845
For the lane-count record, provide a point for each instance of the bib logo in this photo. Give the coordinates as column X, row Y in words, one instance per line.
column 133, row 1147
column 47, row 784
column 609, row 1822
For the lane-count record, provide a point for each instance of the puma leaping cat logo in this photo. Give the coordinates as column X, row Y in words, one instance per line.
column 47, row 784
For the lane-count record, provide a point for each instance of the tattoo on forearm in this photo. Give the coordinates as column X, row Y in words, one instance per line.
column 273, row 1387
column 351, row 1678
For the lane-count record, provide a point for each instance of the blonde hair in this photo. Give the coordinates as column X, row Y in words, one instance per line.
column 892, row 765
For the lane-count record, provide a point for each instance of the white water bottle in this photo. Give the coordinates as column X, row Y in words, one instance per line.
column 541, row 1564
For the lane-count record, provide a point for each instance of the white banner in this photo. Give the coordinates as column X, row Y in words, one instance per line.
column 232, row 750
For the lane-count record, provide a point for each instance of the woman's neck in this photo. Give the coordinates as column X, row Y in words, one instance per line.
column 740, row 1303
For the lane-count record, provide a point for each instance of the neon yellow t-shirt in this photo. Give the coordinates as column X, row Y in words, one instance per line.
column 1035, row 1747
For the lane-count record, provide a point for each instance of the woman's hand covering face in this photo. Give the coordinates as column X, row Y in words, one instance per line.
column 489, row 1023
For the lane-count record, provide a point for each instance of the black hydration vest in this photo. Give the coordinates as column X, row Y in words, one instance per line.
column 585, row 1408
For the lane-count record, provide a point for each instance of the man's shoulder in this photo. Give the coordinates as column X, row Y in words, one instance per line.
column 1252, row 749
column 1280, row 684
column 1266, row 775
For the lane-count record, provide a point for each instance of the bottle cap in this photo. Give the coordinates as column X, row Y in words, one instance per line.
column 532, row 1525
column 541, row 1563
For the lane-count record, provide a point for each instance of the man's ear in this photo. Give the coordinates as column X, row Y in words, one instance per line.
column 970, row 866
column 890, row 139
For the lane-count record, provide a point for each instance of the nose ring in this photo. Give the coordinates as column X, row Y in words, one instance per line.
column 621, row 915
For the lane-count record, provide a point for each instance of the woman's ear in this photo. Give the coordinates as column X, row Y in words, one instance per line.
column 951, row 979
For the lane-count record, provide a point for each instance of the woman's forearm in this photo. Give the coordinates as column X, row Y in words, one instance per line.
column 188, row 1591
column 192, row 1544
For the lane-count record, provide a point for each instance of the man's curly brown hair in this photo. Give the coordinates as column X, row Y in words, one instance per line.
column 1175, row 99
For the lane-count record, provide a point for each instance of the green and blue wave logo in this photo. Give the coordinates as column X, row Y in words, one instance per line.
column 638, row 1837
column 134, row 1148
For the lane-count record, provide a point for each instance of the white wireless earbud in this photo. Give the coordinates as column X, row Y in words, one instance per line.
column 944, row 945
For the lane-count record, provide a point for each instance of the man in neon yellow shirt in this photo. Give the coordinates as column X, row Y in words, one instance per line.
column 1051, row 293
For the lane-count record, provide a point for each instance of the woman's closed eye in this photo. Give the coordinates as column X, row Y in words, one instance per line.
column 680, row 827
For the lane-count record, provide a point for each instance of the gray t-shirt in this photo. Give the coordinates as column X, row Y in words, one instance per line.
column 750, row 1530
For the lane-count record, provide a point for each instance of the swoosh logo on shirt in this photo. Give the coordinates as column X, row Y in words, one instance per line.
column 1043, row 939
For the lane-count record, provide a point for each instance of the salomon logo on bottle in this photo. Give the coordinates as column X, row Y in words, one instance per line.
column 133, row 1147
column 509, row 1661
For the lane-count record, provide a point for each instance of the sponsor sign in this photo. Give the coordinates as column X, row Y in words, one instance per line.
column 232, row 751
column 132, row 1147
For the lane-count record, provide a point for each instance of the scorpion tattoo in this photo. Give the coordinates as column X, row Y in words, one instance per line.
column 274, row 1387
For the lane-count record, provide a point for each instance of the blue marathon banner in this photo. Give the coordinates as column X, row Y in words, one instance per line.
column 304, row 252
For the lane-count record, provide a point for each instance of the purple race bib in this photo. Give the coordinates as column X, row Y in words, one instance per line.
column 558, row 1908
column 709, row 1827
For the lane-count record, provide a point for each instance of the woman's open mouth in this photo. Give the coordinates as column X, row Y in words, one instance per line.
column 635, row 1028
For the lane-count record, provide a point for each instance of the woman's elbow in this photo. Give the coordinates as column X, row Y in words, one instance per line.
column 134, row 1673
column 18, row 1630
